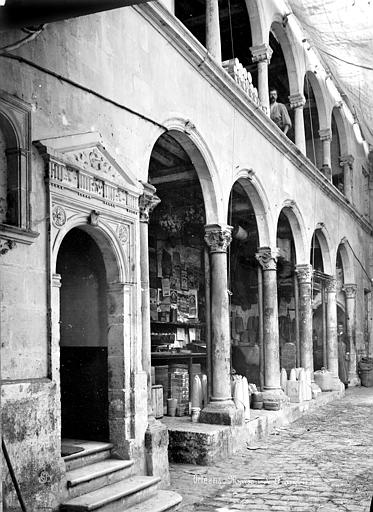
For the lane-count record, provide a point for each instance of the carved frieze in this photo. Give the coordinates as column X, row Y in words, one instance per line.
column 6, row 246
column 267, row 258
column 218, row 238
column 58, row 216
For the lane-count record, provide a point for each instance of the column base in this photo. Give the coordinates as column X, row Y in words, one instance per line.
column 156, row 451
column 222, row 413
column 353, row 381
column 274, row 399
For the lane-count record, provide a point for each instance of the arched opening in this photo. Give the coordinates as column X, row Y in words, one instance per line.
column 335, row 154
column 243, row 283
column 311, row 123
column 320, row 263
column 286, row 286
column 11, row 193
column 83, row 338
column 178, row 269
column 235, row 30
column 280, row 68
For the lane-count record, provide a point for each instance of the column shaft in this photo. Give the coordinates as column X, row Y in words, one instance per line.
column 218, row 240
column 262, row 55
column 147, row 203
column 350, row 291
column 213, row 43
column 304, row 273
column 297, row 102
column 346, row 162
column 267, row 259
column 331, row 327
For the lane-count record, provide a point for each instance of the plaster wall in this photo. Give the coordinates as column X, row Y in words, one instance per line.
column 121, row 56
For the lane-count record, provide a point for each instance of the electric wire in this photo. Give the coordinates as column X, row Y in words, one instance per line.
column 62, row 78
column 230, row 26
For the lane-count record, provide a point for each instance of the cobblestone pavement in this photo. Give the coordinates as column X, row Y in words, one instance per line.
column 321, row 463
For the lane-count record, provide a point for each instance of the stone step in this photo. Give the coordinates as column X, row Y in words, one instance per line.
column 97, row 475
column 115, row 497
column 162, row 501
column 93, row 452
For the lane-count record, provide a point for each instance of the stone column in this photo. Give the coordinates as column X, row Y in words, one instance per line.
column 304, row 274
column 326, row 138
column 147, row 202
column 350, row 292
column 331, row 326
column 221, row 409
column 297, row 102
column 213, row 43
column 346, row 162
column 156, row 435
column 262, row 55
column 268, row 260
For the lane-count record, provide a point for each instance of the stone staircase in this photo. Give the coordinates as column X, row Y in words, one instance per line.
column 97, row 481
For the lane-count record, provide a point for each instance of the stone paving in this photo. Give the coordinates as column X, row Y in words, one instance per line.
column 320, row 463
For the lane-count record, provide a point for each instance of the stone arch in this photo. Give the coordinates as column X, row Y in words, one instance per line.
column 257, row 24
column 324, row 118
column 287, row 45
column 112, row 251
column 259, row 201
column 9, row 130
column 186, row 134
column 325, row 245
column 347, row 261
column 341, row 122
column 294, row 216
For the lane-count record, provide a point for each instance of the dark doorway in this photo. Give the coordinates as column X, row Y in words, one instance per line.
column 83, row 338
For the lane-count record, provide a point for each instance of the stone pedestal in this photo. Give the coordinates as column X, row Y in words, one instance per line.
column 297, row 102
column 331, row 326
column 221, row 409
column 213, row 43
column 262, row 55
column 156, row 451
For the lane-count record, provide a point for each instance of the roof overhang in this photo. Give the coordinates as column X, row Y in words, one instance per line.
column 26, row 13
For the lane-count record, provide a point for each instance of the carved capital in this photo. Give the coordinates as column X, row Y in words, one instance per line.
column 346, row 161
column 304, row 273
column 218, row 238
column 261, row 53
column 331, row 285
column 93, row 217
column 350, row 290
column 297, row 100
column 325, row 134
column 267, row 258
column 147, row 202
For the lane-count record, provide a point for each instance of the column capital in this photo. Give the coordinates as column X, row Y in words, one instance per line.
column 261, row 53
column 267, row 258
column 217, row 237
column 297, row 100
column 350, row 290
column 345, row 160
column 304, row 273
column 325, row 134
column 331, row 284
column 147, row 202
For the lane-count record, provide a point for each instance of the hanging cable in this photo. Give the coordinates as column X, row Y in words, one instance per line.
column 31, row 34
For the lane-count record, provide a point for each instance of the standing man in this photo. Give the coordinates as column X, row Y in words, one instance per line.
column 279, row 113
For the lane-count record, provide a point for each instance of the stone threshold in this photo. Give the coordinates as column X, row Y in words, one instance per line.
column 204, row 444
